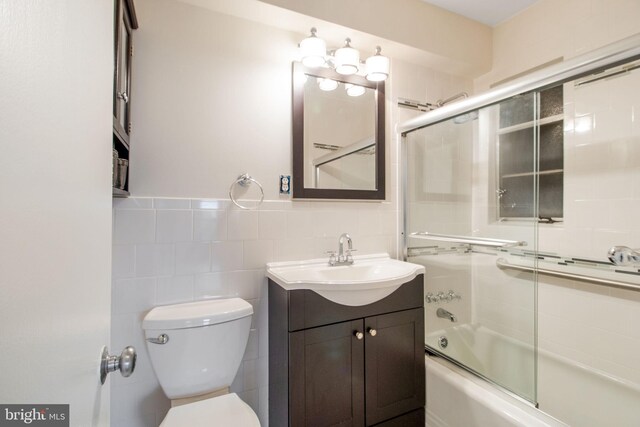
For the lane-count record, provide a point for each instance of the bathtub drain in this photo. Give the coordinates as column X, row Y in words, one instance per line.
column 443, row 342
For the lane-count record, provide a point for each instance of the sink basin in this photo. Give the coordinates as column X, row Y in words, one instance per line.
column 369, row 279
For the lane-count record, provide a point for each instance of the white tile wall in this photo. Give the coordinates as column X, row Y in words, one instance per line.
column 177, row 250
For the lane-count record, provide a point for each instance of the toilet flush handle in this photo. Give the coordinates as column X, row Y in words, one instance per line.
column 125, row 363
column 162, row 339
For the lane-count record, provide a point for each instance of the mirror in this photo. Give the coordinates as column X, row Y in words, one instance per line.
column 338, row 135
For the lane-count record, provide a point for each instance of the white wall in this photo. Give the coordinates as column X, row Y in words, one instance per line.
column 56, row 65
column 551, row 29
column 211, row 100
column 437, row 37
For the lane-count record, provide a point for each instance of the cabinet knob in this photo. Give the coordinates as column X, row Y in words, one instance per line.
column 372, row 332
column 359, row 335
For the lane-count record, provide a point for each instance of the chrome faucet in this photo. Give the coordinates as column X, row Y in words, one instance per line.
column 444, row 314
column 344, row 255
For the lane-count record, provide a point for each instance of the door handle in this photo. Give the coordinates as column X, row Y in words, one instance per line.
column 125, row 363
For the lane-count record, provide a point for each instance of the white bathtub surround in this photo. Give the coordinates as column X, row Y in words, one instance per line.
column 457, row 398
column 177, row 250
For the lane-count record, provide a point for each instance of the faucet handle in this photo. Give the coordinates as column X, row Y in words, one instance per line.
column 332, row 257
column 451, row 295
column 349, row 257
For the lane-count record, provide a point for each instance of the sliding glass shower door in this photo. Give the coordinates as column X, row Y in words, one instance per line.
column 524, row 213
column 471, row 200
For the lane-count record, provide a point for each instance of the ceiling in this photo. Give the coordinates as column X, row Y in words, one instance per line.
column 489, row 12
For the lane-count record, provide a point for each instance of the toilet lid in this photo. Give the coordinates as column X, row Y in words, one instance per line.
column 222, row 411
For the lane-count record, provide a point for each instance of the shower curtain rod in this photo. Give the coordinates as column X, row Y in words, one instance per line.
column 606, row 56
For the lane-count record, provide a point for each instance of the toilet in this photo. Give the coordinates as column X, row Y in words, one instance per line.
column 195, row 350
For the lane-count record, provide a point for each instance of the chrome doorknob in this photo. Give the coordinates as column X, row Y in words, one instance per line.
column 359, row 335
column 125, row 363
column 372, row 332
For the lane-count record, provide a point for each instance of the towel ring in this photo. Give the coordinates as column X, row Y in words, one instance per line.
column 245, row 180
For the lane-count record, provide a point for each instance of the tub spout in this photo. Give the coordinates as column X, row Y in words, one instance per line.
column 444, row 314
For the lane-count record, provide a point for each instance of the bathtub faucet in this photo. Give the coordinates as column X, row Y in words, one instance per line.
column 444, row 314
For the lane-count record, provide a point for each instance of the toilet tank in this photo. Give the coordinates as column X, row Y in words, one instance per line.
column 205, row 345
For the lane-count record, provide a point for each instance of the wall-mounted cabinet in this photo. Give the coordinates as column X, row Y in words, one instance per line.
column 338, row 365
column 125, row 22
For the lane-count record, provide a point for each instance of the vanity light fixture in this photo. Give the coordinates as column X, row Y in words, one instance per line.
column 345, row 60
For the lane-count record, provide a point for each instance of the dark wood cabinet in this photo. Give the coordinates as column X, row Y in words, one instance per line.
column 336, row 365
column 327, row 374
column 394, row 360
column 125, row 21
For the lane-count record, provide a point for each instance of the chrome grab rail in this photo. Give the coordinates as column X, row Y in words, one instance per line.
column 504, row 264
column 478, row 241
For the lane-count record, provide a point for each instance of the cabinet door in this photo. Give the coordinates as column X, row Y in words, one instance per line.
column 122, row 77
column 326, row 376
column 394, row 363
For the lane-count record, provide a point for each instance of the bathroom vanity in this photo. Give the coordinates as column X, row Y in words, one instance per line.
column 349, row 365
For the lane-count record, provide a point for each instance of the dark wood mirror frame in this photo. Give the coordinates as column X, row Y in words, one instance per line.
column 299, row 191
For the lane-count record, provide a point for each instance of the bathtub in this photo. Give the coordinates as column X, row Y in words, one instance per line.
column 505, row 361
column 568, row 391
column 457, row 398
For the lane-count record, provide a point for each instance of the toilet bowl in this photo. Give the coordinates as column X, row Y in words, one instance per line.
column 196, row 349
column 223, row 411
